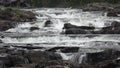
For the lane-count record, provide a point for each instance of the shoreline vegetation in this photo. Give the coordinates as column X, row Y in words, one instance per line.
column 10, row 17
column 53, row 3
column 68, row 3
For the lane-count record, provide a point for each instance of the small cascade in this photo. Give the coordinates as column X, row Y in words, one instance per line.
column 51, row 36
column 82, row 58
column 65, row 56
column 78, row 58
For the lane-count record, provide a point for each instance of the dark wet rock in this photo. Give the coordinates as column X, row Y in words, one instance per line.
column 34, row 28
column 39, row 56
column 55, row 49
column 113, row 32
column 28, row 47
column 64, row 49
column 28, row 15
column 3, row 50
column 2, row 37
column 75, row 31
column 9, row 17
column 113, row 13
column 58, row 64
column 4, row 25
column 93, row 58
column 108, row 64
column 113, row 29
column 2, row 65
column 48, row 23
column 115, row 24
column 20, row 58
column 16, row 52
column 69, row 26
column 12, row 60
column 5, row 59
column 33, row 65
column 103, row 64
column 70, row 50
column 23, row 16
column 17, row 59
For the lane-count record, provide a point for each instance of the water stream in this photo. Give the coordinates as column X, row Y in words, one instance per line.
column 52, row 36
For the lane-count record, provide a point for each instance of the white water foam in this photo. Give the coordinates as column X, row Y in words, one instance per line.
column 60, row 16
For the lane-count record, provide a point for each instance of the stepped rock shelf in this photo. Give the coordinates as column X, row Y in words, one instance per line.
column 52, row 38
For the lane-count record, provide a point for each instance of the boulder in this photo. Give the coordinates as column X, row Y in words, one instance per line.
column 112, row 14
column 28, row 15
column 64, row 49
column 39, row 56
column 18, row 59
column 70, row 50
column 5, row 60
column 93, row 58
column 108, row 64
column 75, row 31
column 48, row 23
column 113, row 29
column 115, row 24
column 34, row 28
column 5, row 25
column 69, row 26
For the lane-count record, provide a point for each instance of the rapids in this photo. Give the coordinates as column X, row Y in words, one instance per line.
column 52, row 37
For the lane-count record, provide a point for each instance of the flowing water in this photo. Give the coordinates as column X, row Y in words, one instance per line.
column 52, row 37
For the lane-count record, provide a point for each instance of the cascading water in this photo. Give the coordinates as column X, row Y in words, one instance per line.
column 79, row 58
column 53, row 35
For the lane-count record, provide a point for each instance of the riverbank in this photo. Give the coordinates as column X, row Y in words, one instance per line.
column 28, row 57
column 10, row 17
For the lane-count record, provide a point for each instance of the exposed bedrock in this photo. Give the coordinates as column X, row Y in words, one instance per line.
column 64, row 49
column 114, row 28
column 93, row 58
column 10, row 17
column 73, row 29
column 103, row 59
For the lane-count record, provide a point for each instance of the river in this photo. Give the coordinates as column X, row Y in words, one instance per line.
column 50, row 37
